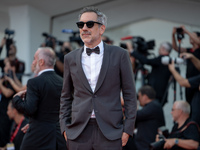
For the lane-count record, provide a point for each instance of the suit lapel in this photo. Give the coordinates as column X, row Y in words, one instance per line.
column 104, row 67
column 81, row 73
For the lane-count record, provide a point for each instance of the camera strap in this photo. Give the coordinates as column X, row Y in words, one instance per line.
column 189, row 123
column 186, row 126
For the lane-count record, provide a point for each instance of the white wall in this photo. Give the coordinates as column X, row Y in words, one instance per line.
column 28, row 24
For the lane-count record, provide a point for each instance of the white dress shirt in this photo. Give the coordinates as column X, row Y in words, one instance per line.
column 92, row 66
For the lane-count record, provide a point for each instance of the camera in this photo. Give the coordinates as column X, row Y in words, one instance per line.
column 9, row 39
column 163, row 133
column 180, row 33
column 159, row 144
column 51, row 41
column 9, row 32
column 75, row 36
column 168, row 60
column 9, row 74
column 140, row 45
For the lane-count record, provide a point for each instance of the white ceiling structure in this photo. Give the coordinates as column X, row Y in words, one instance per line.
column 119, row 12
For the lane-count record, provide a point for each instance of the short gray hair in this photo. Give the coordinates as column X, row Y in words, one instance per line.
column 48, row 55
column 167, row 46
column 184, row 106
column 101, row 17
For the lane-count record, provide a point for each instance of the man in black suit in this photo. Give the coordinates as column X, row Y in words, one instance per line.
column 149, row 118
column 41, row 102
column 91, row 114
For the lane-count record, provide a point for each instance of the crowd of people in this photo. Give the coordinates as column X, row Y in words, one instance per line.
column 86, row 98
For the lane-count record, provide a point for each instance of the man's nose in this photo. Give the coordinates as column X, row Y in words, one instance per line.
column 85, row 27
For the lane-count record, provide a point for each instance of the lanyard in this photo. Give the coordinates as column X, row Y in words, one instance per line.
column 16, row 130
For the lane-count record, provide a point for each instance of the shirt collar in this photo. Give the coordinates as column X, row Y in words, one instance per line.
column 45, row 70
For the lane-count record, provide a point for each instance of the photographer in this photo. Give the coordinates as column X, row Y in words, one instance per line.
column 7, row 93
column 185, row 132
column 160, row 73
column 65, row 49
column 195, row 50
column 191, row 83
column 14, row 61
column 51, row 41
column 148, row 119
column 193, row 59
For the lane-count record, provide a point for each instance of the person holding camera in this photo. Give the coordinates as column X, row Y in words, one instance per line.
column 192, row 83
column 160, row 74
column 185, row 132
column 52, row 42
column 195, row 50
column 16, row 84
column 149, row 118
column 14, row 61
column 6, row 93
column 59, row 66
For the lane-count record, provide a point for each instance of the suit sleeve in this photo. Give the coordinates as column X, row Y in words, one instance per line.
column 30, row 104
column 147, row 112
column 129, row 93
column 66, row 97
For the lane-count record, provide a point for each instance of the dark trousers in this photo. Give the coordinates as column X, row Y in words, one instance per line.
column 92, row 139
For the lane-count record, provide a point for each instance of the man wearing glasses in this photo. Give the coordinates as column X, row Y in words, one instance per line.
column 185, row 132
column 91, row 115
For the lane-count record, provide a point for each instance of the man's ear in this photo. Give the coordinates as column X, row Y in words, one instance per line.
column 15, row 111
column 41, row 62
column 102, row 29
column 145, row 96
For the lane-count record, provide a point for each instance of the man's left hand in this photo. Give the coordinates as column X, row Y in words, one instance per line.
column 125, row 138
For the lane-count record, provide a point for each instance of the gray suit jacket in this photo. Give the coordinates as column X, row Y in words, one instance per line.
column 78, row 100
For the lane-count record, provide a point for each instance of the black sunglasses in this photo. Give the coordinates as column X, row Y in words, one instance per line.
column 89, row 24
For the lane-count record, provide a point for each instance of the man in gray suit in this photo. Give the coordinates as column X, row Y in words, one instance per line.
column 42, row 105
column 91, row 115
